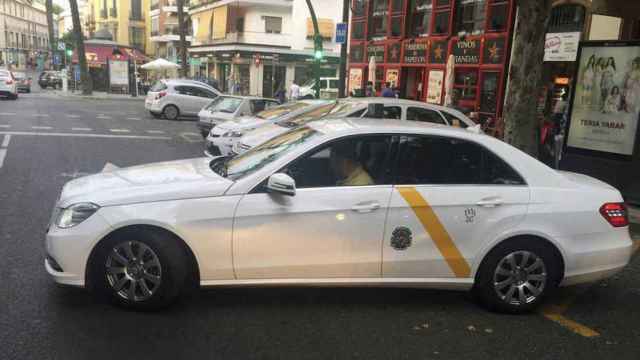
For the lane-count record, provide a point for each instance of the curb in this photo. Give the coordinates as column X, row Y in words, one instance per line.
column 90, row 97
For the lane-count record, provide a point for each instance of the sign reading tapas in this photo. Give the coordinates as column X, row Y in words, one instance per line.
column 415, row 53
column 467, row 51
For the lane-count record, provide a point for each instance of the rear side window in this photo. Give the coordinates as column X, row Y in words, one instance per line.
column 158, row 86
column 424, row 115
column 446, row 161
column 388, row 112
column 454, row 120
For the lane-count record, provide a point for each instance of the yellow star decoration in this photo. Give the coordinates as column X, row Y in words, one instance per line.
column 438, row 52
column 494, row 52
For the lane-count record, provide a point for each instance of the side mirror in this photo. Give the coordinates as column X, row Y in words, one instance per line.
column 281, row 183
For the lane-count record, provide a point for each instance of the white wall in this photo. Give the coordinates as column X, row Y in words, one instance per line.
column 326, row 9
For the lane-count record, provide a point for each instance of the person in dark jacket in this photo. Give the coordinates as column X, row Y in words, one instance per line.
column 387, row 91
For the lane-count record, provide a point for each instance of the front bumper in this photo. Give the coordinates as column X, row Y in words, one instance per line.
column 204, row 128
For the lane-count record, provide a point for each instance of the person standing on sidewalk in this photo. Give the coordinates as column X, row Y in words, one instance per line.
column 294, row 91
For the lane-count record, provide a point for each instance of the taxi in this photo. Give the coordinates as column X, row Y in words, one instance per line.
column 341, row 202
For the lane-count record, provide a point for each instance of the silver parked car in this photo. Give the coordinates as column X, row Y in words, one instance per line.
column 229, row 107
column 178, row 98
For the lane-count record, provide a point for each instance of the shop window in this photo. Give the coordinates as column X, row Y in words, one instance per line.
column 379, row 78
column 358, row 8
column 441, row 22
column 498, row 14
column 397, row 5
column 466, row 80
column 469, row 16
column 420, row 17
column 489, row 92
column 357, row 30
column 396, row 26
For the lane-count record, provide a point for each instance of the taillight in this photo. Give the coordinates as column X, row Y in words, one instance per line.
column 161, row 94
column 8, row 82
column 615, row 214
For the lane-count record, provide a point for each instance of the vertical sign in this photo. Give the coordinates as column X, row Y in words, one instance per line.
column 355, row 79
column 118, row 72
column 341, row 33
column 434, row 86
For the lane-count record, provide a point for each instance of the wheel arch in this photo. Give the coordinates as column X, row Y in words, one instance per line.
column 547, row 240
column 193, row 267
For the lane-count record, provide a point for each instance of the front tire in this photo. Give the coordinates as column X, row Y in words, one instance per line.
column 516, row 276
column 171, row 112
column 142, row 270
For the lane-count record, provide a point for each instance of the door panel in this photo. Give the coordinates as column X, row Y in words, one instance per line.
column 318, row 233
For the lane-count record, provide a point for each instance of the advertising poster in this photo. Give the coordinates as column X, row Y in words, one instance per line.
column 561, row 46
column 118, row 72
column 355, row 80
column 392, row 77
column 434, row 86
column 606, row 105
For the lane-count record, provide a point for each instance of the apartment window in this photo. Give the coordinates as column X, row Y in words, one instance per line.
column 441, row 18
column 396, row 26
column 240, row 24
column 378, row 22
column 469, row 16
column 136, row 10
column 566, row 18
column 155, row 26
column 136, row 37
column 272, row 24
column 396, row 6
column 419, row 20
column 497, row 13
column 357, row 30
column 358, row 8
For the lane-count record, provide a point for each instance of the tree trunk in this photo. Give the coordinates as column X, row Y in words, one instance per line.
column 182, row 46
column 85, row 79
column 52, row 40
column 520, row 118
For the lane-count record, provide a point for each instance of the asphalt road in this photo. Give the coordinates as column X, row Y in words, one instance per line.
column 39, row 320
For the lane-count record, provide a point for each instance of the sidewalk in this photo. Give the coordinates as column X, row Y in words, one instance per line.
column 96, row 95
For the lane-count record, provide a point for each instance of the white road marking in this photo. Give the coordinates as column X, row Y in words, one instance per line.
column 41, row 127
column 3, row 153
column 103, row 117
column 81, row 129
column 40, row 115
column 73, row 116
column 120, row 130
column 155, row 131
column 134, row 118
column 5, row 126
column 5, row 142
column 109, row 167
column 191, row 137
column 108, row 136
column 7, row 114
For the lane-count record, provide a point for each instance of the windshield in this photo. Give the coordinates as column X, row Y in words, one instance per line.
column 264, row 154
column 225, row 104
column 335, row 109
column 281, row 110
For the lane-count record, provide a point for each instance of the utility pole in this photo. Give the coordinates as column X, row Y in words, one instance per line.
column 182, row 47
column 317, row 49
column 342, row 77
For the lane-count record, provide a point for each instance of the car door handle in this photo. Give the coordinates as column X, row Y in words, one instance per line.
column 366, row 207
column 490, row 202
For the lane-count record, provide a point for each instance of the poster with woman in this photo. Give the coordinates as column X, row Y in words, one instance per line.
column 606, row 105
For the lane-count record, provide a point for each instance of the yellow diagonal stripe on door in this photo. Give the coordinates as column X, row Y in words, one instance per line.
column 436, row 230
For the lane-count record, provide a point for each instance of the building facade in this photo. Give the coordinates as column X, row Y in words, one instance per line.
column 411, row 40
column 163, row 32
column 65, row 22
column 24, row 35
column 258, row 46
column 126, row 21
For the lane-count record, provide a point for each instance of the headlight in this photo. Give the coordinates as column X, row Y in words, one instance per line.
column 75, row 214
column 233, row 134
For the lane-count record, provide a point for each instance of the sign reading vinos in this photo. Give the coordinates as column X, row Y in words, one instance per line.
column 467, row 51
column 415, row 53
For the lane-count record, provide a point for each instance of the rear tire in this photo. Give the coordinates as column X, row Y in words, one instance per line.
column 137, row 269
column 171, row 112
column 155, row 115
column 517, row 275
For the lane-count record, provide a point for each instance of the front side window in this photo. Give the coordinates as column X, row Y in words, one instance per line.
column 388, row 112
column 433, row 160
column 424, row 115
column 356, row 161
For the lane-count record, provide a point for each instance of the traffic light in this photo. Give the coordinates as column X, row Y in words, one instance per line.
column 317, row 45
column 69, row 52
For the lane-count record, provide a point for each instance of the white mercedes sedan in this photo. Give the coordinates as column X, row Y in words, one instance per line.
column 341, row 203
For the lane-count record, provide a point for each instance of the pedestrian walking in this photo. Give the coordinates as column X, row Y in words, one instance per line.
column 294, row 91
column 387, row 91
column 369, row 90
column 281, row 94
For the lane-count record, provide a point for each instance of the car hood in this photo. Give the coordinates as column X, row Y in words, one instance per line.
column 208, row 116
column 172, row 180
column 262, row 134
column 242, row 123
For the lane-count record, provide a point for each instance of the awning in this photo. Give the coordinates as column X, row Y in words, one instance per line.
column 97, row 55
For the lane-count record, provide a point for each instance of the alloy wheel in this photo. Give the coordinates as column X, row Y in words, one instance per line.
column 520, row 278
column 133, row 271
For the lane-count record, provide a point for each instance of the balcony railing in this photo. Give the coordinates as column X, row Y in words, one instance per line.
column 136, row 17
column 155, row 33
column 113, row 12
column 249, row 37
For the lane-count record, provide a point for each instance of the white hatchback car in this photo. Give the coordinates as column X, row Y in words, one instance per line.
column 8, row 85
column 341, row 202
column 382, row 108
column 229, row 107
column 177, row 98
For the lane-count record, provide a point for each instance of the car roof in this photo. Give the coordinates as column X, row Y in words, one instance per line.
column 345, row 126
column 174, row 82
column 248, row 97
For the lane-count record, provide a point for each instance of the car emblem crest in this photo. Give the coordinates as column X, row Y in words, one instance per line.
column 401, row 238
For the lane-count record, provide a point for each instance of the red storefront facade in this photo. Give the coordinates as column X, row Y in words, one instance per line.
column 412, row 39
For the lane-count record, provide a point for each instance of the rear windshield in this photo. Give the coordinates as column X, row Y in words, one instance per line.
column 225, row 104
column 158, row 86
column 19, row 75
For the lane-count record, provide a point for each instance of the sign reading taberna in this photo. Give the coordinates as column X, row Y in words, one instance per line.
column 467, row 51
column 606, row 103
column 415, row 53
